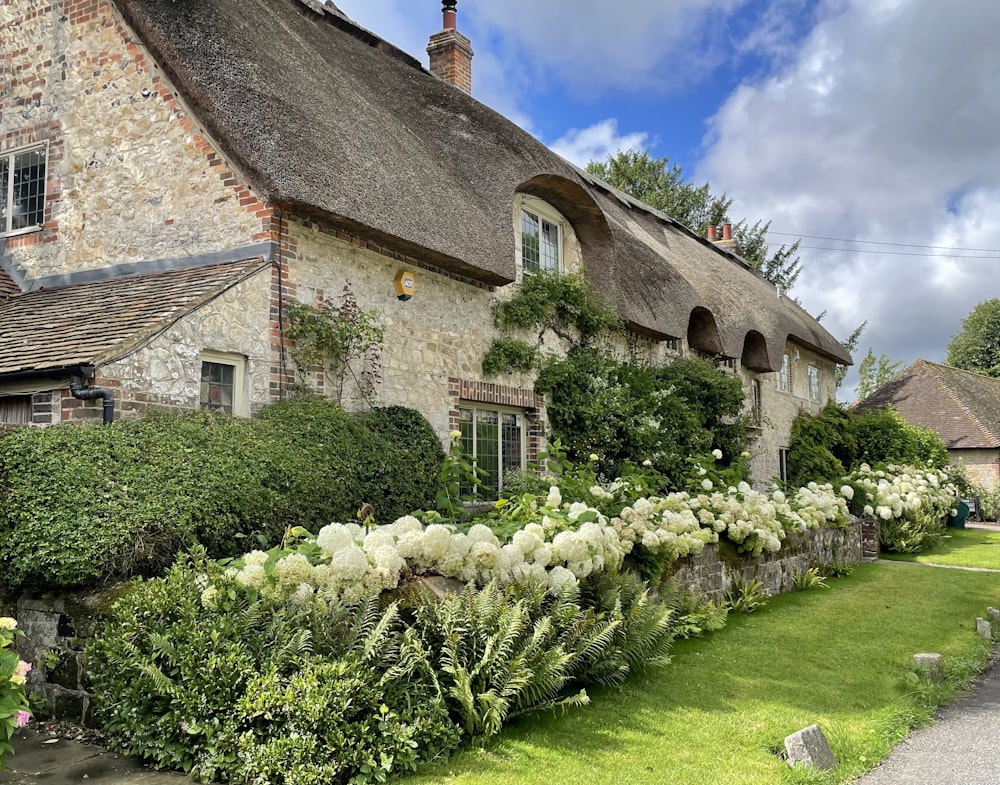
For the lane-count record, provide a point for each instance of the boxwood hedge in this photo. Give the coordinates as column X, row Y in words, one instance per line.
column 80, row 505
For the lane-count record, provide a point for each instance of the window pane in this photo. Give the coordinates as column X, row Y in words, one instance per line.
column 511, row 444
column 550, row 247
column 488, row 448
column 530, row 257
column 217, row 386
column 467, row 442
column 15, row 409
column 29, row 189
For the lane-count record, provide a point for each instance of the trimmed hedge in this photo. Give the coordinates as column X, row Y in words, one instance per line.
column 85, row 504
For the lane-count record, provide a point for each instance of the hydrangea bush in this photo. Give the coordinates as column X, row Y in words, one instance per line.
column 913, row 503
column 13, row 703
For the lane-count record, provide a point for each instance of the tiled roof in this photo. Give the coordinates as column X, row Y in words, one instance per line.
column 94, row 323
column 963, row 408
column 7, row 286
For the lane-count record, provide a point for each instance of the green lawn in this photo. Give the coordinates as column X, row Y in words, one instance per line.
column 833, row 656
column 960, row 548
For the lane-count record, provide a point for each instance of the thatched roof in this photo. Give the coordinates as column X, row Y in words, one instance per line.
column 329, row 120
column 962, row 407
column 53, row 331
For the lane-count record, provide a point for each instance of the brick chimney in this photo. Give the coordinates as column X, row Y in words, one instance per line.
column 727, row 243
column 450, row 52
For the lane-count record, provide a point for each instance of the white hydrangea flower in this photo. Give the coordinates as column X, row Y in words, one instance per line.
column 255, row 557
column 717, row 454
column 554, row 499
column 333, row 537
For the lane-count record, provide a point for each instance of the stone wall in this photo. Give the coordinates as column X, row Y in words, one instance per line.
column 56, row 630
column 982, row 466
column 713, row 571
column 130, row 176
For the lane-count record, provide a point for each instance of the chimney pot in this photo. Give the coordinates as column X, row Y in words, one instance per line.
column 727, row 231
column 713, row 233
column 449, row 11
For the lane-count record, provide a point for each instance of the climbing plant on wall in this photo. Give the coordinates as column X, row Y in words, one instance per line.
column 341, row 340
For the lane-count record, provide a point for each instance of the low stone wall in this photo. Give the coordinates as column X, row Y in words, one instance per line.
column 713, row 571
column 57, row 629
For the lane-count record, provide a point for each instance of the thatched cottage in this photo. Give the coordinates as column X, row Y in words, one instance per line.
column 174, row 174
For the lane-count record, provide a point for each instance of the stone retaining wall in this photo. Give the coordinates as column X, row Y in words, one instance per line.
column 57, row 629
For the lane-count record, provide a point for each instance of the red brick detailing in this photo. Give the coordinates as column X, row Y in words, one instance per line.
column 21, row 67
column 450, row 55
column 282, row 291
column 460, row 390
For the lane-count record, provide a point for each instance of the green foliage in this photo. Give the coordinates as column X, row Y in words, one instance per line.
column 828, row 445
column 850, row 344
column 509, row 354
column 693, row 615
column 626, row 411
column 976, row 347
column 809, row 579
column 557, row 302
column 252, row 689
column 342, row 340
column 873, row 373
column 883, row 436
column 911, row 533
column 13, row 703
column 502, row 652
column 746, row 597
column 662, row 186
column 80, row 505
column 821, row 447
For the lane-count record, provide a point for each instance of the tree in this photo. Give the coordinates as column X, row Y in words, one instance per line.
column 874, row 372
column 662, row 186
column 976, row 347
column 850, row 344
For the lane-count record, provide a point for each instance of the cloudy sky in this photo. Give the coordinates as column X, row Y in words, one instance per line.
column 868, row 128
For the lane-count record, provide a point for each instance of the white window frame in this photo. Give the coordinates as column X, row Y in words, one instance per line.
column 475, row 407
column 7, row 215
column 784, row 380
column 241, row 402
column 813, row 383
column 541, row 212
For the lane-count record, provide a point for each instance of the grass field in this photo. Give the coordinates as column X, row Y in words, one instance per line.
column 719, row 713
column 961, row 548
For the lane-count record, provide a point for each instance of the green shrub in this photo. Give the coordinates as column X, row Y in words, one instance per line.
column 258, row 689
column 631, row 412
column 882, row 436
column 80, row 505
column 822, row 446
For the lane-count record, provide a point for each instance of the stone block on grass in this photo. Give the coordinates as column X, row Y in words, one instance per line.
column 994, row 614
column 810, row 748
column 930, row 666
column 984, row 628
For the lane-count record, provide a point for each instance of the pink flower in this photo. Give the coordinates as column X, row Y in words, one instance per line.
column 23, row 668
column 21, row 719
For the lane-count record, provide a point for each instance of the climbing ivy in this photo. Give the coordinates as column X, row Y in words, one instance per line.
column 342, row 340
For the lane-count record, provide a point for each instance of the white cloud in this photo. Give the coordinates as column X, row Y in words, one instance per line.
column 883, row 127
column 596, row 142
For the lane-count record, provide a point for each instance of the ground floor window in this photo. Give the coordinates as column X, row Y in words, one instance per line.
column 15, row 409
column 495, row 438
column 222, row 381
column 783, row 464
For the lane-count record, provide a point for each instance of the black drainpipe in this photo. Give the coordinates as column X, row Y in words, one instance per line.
column 92, row 393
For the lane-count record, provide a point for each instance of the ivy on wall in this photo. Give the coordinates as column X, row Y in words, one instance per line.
column 342, row 340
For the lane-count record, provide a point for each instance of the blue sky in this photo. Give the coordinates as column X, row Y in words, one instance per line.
column 874, row 123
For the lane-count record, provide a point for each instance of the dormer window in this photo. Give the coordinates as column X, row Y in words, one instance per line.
column 541, row 238
column 22, row 190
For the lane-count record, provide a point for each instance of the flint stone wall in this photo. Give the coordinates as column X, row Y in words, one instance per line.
column 712, row 572
column 57, row 629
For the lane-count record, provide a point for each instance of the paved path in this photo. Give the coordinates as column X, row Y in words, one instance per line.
column 961, row 748
column 44, row 757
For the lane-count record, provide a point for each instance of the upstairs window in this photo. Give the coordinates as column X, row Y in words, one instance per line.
column 784, row 375
column 814, row 384
column 756, row 403
column 22, row 190
column 541, row 240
